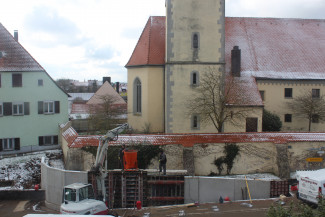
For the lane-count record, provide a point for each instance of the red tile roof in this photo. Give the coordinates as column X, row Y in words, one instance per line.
column 271, row 48
column 277, row 44
column 14, row 56
column 188, row 140
column 150, row 49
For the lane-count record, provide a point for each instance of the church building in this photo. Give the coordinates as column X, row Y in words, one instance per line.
column 264, row 62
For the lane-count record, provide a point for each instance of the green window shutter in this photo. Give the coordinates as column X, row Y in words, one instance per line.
column 55, row 140
column 40, row 107
column 40, row 140
column 7, row 108
column 17, row 143
column 57, row 107
column 26, row 108
column 0, row 144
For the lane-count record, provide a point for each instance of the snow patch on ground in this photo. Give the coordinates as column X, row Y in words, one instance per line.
column 258, row 176
column 25, row 171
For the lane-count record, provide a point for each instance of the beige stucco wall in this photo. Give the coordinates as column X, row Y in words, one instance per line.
column 191, row 16
column 152, row 84
column 275, row 102
column 238, row 123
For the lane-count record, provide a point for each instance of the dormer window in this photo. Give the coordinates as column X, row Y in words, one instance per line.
column 195, row 40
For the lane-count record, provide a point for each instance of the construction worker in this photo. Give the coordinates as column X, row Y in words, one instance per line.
column 162, row 162
column 121, row 156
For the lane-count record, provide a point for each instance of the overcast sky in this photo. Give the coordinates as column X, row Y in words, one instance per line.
column 90, row 39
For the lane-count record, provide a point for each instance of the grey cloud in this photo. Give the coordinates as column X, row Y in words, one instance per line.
column 47, row 20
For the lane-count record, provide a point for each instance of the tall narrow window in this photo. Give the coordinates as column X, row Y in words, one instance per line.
column 195, row 40
column 17, row 80
column 1, row 109
column 194, row 78
column 195, row 122
column 137, row 96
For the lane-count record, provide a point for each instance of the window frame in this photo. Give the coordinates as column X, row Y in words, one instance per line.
column 315, row 93
column 195, row 122
column 15, row 82
column 288, row 118
column 40, row 82
column 18, row 105
column 287, row 93
column 5, row 143
column 137, row 96
column 47, row 107
column 195, row 77
column 195, row 40
column 43, row 140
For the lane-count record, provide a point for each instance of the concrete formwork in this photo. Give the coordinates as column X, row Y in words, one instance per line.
column 209, row 189
column 53, row 181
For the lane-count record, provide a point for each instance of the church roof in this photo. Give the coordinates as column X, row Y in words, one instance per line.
column 13, row 57
column 150, row 49
column 271, row 48
column 277, row 47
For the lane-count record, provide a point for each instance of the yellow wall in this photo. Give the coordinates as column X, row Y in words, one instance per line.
column 152, row 82
column 275, row 102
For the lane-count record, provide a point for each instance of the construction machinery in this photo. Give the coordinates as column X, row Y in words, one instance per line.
column 79, row 198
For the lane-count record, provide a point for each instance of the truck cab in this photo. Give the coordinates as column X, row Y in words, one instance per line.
column 78, row 199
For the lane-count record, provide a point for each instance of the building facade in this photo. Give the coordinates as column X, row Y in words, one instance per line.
column 269, row 61
column 32, row 106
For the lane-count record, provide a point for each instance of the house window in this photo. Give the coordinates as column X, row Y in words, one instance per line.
column 137, row 95
column 17, row 80
column 251, row 124
column 315, row 118
column 48, row 107
column 288, row 92
column 48, row 140
column 17, row 108
column 288, row 118
column 40, row 82
column 9, row 144
column 262, row 93
column 195, row 40
column 195, row 122
column 1, row 109
column 194, row 78
column 315, row 93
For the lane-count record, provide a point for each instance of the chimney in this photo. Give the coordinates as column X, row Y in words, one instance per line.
column 118, row 87
column 107, row 79
column 235, row 61
column 16, row 35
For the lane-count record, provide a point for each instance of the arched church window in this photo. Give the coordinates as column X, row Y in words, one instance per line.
column 194, row 78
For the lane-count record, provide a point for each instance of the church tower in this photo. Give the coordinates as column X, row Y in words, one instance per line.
column 195, row 42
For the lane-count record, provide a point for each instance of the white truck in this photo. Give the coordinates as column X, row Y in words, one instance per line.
column 311, row 185
column 78, row 198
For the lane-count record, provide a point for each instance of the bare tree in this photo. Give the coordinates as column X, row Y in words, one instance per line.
column 308, row 106
column 105, row 115
column 212, row 98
